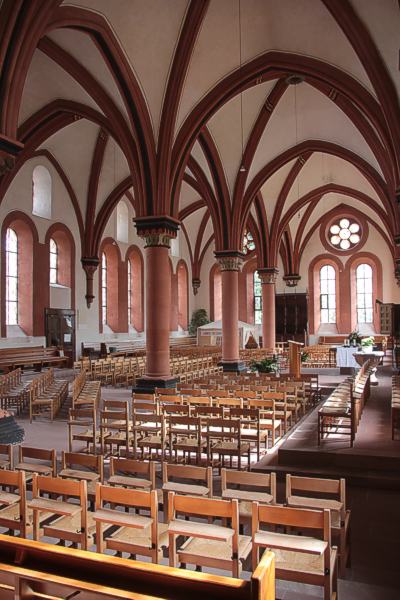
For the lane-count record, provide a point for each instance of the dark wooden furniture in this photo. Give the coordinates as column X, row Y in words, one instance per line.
column 291, row 317
column 62, row 572
column 36, row 357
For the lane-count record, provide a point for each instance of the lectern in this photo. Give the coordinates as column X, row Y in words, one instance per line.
column 295, row 358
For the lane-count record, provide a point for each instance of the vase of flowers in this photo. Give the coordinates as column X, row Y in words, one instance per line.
column 354, row 338
column 367, row 344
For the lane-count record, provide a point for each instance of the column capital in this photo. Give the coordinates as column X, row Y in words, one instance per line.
column 268, row 275
column 292, row 279
column 229, row 260
column 157, row 231
column 90, row 265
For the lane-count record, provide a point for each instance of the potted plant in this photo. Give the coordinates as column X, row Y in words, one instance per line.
column 199, row 318
column 265, row 365
column 304, row 356
column 367, row 343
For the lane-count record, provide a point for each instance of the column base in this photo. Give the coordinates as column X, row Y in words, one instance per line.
column 233, row 367
column 147, row 385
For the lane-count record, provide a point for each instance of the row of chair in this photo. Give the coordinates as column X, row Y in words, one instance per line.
column 46, row 394
column 395, row 405
column 13, row 391
column 84, row 392
column 341, row 412
column 75, row 526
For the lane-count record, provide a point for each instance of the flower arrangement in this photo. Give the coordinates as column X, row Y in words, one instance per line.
column 354, row 338
column 305, row 356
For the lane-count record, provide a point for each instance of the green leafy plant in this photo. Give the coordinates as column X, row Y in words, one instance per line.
column 266, row 365
column 368, row 341
column 199, row 318
column 305, row 356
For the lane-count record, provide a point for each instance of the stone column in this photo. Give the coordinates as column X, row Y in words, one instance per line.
column 230, row 265
column 268, row 280
column 157, row 233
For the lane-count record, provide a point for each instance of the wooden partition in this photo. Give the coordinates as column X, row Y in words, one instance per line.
column 36, row 570
column 295, row 358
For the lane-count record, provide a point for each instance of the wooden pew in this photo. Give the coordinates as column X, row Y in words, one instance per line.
column 61, row 572
column 34, row 356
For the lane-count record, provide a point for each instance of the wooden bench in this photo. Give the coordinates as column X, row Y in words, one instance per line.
column 48, row 571
column 33, row 356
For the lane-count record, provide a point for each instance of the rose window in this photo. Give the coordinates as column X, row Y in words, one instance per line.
column 344, row 234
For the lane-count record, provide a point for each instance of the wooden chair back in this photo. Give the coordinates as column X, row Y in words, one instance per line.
column 127, row 467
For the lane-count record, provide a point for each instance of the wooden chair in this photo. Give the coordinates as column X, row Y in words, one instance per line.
column 13, row 511
column 73, row 523
column 297, row 558
column 136, row 534
column 90, row 469
column 149, row 435
column 268, row 420
column 206, row 544
column 129, row 473
column 251, row 431
column 6, row 451
column 282, row 410
column 224, row 438
column 185, row 437
column 82, row 418
column 186, row 473
column 46, row 466
column 262, row 489
column 333, row 491
column 114, row 427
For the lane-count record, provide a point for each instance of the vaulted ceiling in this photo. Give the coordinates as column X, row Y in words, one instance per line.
column 225, row 114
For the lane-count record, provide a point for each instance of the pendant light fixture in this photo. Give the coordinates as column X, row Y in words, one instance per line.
column 242, row 167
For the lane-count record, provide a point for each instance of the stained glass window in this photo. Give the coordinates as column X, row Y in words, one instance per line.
column 257, row 299
column 248, row 242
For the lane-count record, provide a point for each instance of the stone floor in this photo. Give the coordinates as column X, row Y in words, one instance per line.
column 375, row 522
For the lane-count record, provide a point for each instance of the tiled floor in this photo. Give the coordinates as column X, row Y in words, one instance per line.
column 375, row 529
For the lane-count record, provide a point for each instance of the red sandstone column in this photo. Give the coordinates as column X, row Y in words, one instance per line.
column 158, row 311
column 157, row 232
column 230, row 266
column 268, row 280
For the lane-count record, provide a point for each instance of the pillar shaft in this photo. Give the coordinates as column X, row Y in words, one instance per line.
column 158, row 311
column 230, row 265
column 230, row 316
column 268, row 279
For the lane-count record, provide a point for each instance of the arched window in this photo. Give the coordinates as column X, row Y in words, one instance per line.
column 104, row 288
column 129, row 292
column 257, row 299
column 53, row 261
column 327, row 294
column 364, row 294
column 122, row 222
column 11, row 277
column 41, row 192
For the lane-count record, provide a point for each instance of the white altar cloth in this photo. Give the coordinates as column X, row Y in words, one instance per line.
column 345, row 356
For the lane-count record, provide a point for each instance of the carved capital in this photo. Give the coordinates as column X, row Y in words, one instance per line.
column 230, row 262
column 157, row 231
column 195, row 285
column 7, row 163
column 292, row 279
column 268, row 275
column 90, row 265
